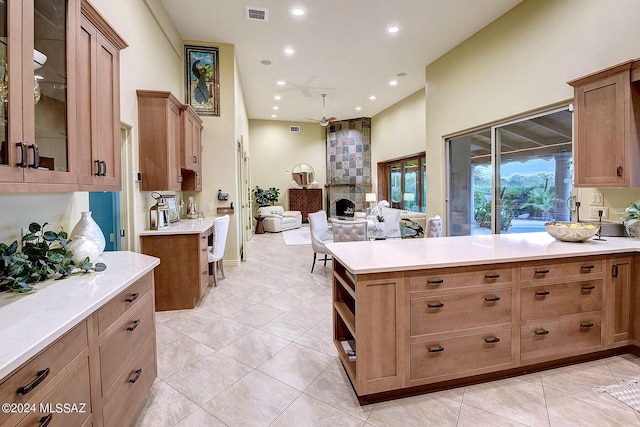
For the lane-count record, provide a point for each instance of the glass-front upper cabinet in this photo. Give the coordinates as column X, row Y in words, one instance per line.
column 36, row 91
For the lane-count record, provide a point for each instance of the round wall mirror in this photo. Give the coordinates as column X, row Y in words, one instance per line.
column 302, row 174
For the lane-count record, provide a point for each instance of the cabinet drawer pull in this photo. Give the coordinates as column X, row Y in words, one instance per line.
column 36, row 156
column 44, row 421
column 542, row 293
column 135, row 324
column 614, row 271
column 435, row 282
column 40, row 376
column 435, row 305
column 133, row 297
column 586, row 325
column 104, row 167
column 618, row 171
column 541, row 332
column 588, row 288
column 97, row 162
column 492, row 299
column 492, row 340
column 587, row 267
column 23, row 154
column 195, row 159
column 492, row 276
column 541, row 272
column 435, row 349
column 136, row 376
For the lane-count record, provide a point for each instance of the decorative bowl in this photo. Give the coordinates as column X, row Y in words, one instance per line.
column 571, row 231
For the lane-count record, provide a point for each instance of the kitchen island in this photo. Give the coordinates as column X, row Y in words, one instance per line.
column 425, row 314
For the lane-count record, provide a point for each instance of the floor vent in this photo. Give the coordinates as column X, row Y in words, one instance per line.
column 257, row 13
column 294, row 129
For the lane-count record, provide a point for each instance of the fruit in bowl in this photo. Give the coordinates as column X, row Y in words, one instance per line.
column 571, row 231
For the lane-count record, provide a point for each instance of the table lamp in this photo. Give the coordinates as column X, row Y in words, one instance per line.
column 371, row 198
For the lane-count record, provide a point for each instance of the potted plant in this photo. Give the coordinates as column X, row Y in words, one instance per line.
column 266, row 197
column 632, row 218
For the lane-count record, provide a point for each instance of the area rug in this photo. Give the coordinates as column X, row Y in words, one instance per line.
column 627, row 393
column 297, row 236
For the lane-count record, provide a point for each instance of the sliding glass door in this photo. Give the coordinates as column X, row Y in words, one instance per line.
column 510, row 178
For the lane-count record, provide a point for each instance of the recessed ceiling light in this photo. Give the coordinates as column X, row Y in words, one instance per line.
column 298, row 11
column 277, row 97
column 289, row 51
column 358, row 108
column 401, row 74
column 281, row 83
column 265, row 62
column 393, row 83
column 275, row 107
column 273, row 116
column 372, row 98
column 393, row 29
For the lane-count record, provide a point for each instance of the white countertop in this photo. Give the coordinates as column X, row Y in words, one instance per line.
column 30, row 322
column 409, row 254
column 184, row 226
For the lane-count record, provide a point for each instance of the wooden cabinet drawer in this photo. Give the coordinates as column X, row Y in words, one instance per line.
column 451, row 312
column 68, row 405
column 132, row 385
column 126, row 341
column 561, row 338
column 460, row 355
column 43, row 368
column 548, row 271
column 459, row 277
column 540, row 302
column 125, row 301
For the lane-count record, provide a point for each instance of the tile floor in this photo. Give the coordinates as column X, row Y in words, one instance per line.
column 257, row 351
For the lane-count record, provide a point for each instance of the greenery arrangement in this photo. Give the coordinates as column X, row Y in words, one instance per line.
column 266, row 197
column 632, row 212
column 44, row 256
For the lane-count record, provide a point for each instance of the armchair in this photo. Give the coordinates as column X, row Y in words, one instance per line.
column 276, row 219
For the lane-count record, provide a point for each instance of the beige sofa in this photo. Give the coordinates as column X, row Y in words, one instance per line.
column 276, row 219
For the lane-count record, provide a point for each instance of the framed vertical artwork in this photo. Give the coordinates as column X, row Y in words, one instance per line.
column 202, row 85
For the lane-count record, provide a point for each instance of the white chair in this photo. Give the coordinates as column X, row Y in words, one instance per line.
column 320, row 235
column 216, row 251
column 349, row 231
column 434, row 227
column 391, row 221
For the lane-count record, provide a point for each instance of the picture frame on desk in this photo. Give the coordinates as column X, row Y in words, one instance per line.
column 170, row 200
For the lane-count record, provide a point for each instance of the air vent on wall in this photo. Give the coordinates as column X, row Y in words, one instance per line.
column 294, row 129
column 257, row 13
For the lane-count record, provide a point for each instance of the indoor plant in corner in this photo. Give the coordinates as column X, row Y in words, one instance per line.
column 44, row 255
column 266, row 197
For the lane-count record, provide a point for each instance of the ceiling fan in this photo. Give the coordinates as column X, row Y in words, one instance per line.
column 324, row 121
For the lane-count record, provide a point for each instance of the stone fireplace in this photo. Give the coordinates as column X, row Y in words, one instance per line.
column 345, row 207
column 348, row 164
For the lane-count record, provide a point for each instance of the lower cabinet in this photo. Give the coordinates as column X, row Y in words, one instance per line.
column 98, row 373
column 439, row 327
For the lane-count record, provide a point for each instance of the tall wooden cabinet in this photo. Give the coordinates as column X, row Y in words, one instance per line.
column 305, row 200
column 159, row 141
column 191, row 149
column 38, row 95
column 98, row 57
column 607, row 114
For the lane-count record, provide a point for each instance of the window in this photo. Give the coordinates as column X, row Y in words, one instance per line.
column 403, row 182
column 512, row 177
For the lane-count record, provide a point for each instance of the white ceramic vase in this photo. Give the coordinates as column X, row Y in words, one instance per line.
column 381, row 226
column 81, row 247
column 89, row 228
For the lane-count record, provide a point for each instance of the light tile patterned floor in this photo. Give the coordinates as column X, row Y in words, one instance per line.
column 257, row 351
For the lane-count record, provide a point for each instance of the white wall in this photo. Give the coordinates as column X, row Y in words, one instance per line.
column 519, row 63
column 275, row 150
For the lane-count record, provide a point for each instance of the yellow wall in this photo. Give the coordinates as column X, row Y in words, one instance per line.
column 519, row 63
column 275, row 152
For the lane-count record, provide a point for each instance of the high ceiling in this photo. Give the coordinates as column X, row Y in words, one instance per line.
column 342, row 48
